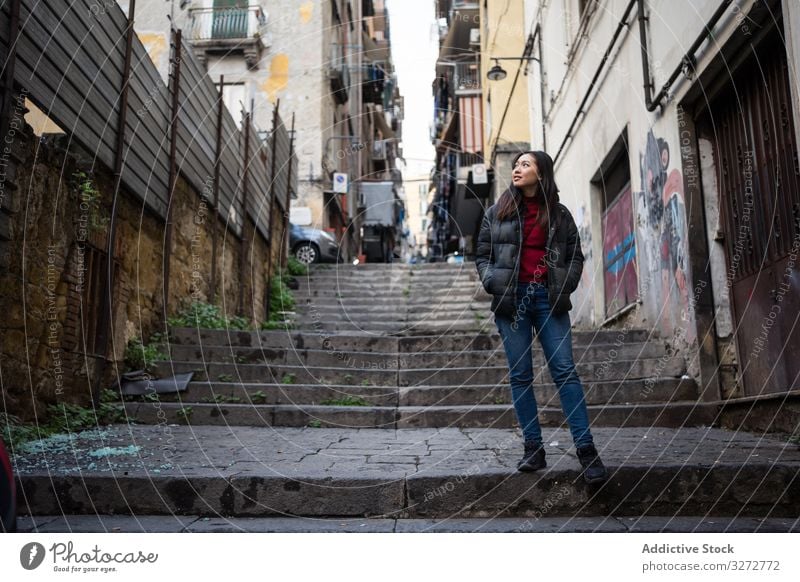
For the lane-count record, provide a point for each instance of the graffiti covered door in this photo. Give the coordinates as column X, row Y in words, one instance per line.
column 759, row 179
column 619, row 253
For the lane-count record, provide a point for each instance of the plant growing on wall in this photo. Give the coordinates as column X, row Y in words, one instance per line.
column 138, row 356
column 281, row 298
column 91, row 202
column 207, row 316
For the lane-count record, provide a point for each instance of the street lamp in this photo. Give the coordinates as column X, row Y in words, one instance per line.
column 498, row 73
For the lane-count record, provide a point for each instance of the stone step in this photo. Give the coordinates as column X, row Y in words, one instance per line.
column 369, row 342
column 278, row 373
column 440, row 288
column 405, row 473
column 397, row 327
column 315, row 281
column 332, row 296
column 393, row 360
column 396, row 319
column 377, row 376
column 417, row 270
column 672, row 414
column 601, row 392
column 365, row 317
column 324, row 311
column 691, row 524
column 596, row 393
column 618, row 370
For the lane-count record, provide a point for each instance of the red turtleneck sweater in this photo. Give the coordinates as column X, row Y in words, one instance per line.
column 532, row 266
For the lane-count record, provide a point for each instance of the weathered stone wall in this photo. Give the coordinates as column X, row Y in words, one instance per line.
column 56, row 230
column 52, row 226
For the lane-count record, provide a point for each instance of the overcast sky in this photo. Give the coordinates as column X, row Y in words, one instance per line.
column 415, row 47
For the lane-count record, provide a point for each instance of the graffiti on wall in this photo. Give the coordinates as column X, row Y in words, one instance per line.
column 619, row 254
column 662, row 228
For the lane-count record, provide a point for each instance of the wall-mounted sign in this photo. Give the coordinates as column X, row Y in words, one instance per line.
column 340, row 183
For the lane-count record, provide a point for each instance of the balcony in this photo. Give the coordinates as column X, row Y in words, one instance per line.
column 466, row 159
column 338, row 76
column 339, row 81
column 223, row 30
column 373, row 84
column 467, row 78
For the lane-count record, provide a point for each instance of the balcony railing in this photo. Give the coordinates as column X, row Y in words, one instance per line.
column 466, row 159
column 467, row 77
column 227, row 23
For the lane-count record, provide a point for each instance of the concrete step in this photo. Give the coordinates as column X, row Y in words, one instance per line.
column 405, row 473
column 596, row 393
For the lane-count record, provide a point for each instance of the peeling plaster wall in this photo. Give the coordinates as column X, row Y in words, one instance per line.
column 570, row 60
column 292, row 70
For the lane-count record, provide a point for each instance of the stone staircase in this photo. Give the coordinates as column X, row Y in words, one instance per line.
column 403, row 347
column 389, row 400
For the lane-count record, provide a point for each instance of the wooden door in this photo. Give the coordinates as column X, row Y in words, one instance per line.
column 758, row 175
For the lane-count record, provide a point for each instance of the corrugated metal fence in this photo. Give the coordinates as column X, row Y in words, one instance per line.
column 70, row 57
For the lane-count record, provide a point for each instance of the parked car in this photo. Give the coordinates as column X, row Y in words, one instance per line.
column 312, row 245
column 454, row 258
column 8, row 495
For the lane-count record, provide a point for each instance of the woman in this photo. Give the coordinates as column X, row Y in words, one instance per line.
column 529, row 258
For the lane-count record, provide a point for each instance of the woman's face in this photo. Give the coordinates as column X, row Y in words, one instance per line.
column 525, row 172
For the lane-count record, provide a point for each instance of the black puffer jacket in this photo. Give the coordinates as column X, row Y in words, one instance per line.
column 498, row 255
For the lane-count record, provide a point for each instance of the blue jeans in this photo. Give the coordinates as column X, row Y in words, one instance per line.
column 555, row 335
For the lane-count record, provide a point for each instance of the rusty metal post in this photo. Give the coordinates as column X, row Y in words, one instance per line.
column 11, row 57
column 285, row 222
column 268, row 294
column 215, row 221
column 173, row 168
column 106, row 312
column 244, row 246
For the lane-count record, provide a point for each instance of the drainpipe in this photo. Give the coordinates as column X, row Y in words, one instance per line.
column 686, row 65
column 538, row 34
column 622, row 24
column 688, row 62
column 106, row 323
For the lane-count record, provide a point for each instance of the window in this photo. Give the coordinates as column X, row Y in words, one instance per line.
column 234, row 95
column 615, row 173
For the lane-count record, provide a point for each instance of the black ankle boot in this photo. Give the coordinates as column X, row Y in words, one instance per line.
column 593, row 469
column 533, row 458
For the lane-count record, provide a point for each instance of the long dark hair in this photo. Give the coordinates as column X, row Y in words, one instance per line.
column 510, row 202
